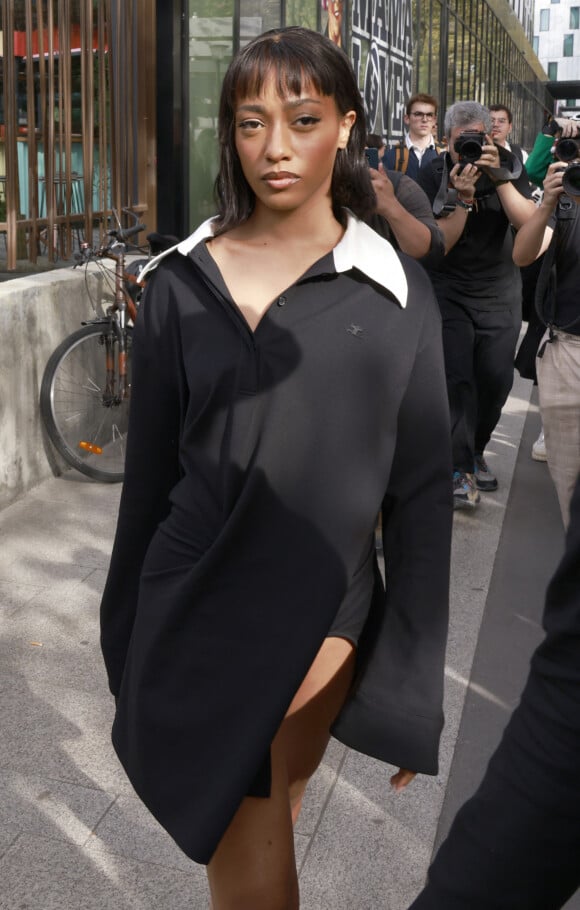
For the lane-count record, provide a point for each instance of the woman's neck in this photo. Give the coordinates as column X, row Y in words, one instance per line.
column 300, row 226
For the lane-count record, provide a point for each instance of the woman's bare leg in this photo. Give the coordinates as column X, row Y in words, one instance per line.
column 254, row 867
column 305, row 731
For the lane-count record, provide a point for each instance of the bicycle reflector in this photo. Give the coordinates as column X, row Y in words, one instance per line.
column 90, row 447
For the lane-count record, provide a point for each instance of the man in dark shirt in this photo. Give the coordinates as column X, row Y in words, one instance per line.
column 477, row 200
column 554, row 229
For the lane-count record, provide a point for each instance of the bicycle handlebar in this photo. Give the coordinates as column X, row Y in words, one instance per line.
column 88, row 253
column 126, row 233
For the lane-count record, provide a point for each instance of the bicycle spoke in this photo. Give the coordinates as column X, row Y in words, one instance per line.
column 88, row 425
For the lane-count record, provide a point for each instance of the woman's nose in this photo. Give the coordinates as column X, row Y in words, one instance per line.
column 278, row 143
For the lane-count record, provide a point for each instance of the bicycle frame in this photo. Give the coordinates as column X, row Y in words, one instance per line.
column 86, row 385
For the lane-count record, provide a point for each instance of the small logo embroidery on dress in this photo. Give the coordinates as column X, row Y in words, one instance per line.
column 355, row 330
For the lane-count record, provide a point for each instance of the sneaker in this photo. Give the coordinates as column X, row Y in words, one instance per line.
column 484, row 479
column 539, row 448
column 465, row 495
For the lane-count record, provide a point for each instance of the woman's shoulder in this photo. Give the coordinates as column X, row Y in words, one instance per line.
column 183, row 248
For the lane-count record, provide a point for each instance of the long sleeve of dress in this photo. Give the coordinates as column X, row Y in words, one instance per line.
column 402, row 655
column 151, row 469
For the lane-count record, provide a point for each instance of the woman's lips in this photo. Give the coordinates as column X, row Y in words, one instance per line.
column 280, row 180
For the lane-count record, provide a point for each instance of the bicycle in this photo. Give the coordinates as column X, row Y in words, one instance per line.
column 86, row 385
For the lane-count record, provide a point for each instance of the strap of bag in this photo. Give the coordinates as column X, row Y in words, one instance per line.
column 446, row 195
column 402, row 157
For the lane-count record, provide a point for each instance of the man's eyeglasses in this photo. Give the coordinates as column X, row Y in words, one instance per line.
column 424, row 115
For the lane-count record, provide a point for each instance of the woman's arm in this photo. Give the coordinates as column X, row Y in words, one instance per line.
column 402, row 658
column 151, row 468
column 534, row 236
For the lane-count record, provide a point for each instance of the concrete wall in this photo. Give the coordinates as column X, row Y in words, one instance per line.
column 36, row 313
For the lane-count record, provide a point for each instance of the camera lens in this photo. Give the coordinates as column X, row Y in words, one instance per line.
column 566, row 150
column 471, row 150
column 571, row 180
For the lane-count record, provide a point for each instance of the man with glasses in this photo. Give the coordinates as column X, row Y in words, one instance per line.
column 501, row 127
column 418, row 147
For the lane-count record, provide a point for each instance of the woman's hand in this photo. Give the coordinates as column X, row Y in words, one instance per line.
column 553, row 185
column 402, row 778
column 463, row 178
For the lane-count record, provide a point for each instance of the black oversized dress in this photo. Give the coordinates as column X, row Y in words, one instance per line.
column 256, row 466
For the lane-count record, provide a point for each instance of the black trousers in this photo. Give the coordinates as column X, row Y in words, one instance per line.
column 479, row 347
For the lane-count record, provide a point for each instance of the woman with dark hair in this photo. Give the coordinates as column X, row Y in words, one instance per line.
column 288, row 386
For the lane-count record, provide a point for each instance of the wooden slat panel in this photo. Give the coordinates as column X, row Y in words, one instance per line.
column 11, row 131
column 111, row 44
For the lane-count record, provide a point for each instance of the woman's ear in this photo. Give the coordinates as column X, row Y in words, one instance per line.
column 346, row 124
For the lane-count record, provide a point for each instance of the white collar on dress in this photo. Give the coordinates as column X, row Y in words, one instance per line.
column 360, row 248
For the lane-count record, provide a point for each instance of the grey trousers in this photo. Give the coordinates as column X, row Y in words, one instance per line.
column 559, row 393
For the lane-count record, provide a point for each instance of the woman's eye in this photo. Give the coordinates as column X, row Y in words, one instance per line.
column 249, row 124
column 307, row 120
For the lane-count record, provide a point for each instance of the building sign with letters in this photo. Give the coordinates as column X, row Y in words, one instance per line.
column 382, row 57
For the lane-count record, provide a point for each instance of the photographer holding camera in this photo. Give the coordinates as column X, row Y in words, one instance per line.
column 478, row 191
column 554, row 229
column 542, row 154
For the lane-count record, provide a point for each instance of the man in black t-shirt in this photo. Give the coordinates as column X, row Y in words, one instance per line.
column 554, row 229
column 476, row 200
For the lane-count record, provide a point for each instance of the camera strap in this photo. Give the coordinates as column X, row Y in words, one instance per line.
column 510, row 167
column 445, row 194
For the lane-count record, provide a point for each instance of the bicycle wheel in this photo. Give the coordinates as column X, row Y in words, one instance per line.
column 84, row 415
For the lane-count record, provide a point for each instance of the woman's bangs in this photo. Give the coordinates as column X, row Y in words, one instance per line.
column 293, row 71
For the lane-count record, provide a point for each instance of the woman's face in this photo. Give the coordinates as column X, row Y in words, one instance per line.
column 287, row 145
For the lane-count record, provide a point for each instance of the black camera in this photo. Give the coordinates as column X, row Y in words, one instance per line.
column 568, row 151
column 469, row 146
column 571, row 179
